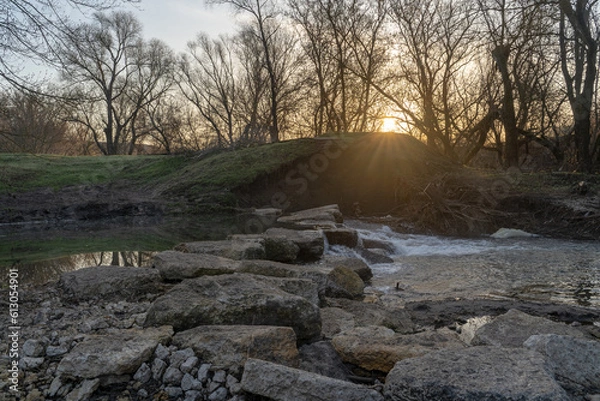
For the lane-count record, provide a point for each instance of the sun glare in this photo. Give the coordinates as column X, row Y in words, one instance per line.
column 388, row 124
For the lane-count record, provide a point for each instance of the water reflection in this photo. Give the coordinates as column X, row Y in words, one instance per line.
column 38, row 273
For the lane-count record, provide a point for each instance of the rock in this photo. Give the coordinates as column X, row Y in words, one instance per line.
column 473, row 374
column 203, row 372
column 575, row 362
column 143, row 374
column 188, row 382
column 177, row 266
column 30, row 363
column 219, row 394
column 158, row 369
column 33, row 348
column 108, row 282
column 228, row 347
column 189, row 364
column 172, row 376
column 161, row 352
column 115, row 354
column 343, row 314
column 332, row 282
column 179, row 357
column 373, row 257
column 321, row 358
column 278, row 248
column 53, row 351
column 84, row 391
column 514, row 327
column 379, row 348
column 238, row 299
column 347, row 237
column 344, row 283
column 325, row 216
column 237, row 249
column 174, row 392
column 310, row 242
column 282, row 383
column 370, row 243
column 505, row 233
column 357, row 265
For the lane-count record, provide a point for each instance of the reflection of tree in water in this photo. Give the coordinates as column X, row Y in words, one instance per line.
column 39, row 273
column 127, row 258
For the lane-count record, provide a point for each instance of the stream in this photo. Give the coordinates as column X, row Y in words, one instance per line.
column 533, row 269
column 423, row 268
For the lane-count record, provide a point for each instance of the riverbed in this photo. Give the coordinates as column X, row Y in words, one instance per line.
column 533, row 269
column 424, row 267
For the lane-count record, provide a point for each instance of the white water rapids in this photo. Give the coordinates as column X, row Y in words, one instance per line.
column 431, row 267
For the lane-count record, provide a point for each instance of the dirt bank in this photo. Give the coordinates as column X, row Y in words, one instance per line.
column 369, row 176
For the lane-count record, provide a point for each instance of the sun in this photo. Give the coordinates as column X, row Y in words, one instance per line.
column 388, row 124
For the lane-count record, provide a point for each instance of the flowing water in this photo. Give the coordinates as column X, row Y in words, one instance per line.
column 424, row 267
column 429, row 267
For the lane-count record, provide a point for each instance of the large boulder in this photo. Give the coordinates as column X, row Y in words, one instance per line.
column 282, row 383
column 110, row 282
column 320, row 217
column 178, row 266
column 228, row 347
column 331, row 282
column 115, row 354
column 379, row 348
column 239, row 299
column 310, row 242
column 237, row 249
column 344, row 314
column 344, row 236
column 514, row 327
column 575, row 362
column 321, row 358
column 278, row 248
column 474, row 374
column 357, row 265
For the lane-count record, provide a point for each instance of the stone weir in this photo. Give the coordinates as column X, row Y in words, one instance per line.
column 270, row 317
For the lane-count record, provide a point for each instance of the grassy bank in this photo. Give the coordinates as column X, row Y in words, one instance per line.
column 182, row 175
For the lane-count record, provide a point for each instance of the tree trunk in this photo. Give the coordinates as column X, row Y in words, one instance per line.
column 508, row 114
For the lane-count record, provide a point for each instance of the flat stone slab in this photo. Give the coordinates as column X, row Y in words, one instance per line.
column 320, row 217
column 228, row 347
column 282, row 383
column 474, row 374
column 178, row 266
column 237, row 249
column 240, row 299
column 514, row 327
column 113, row 354
column 574, row 361
column 379, row 348
column 338, row 282
column 110, row 282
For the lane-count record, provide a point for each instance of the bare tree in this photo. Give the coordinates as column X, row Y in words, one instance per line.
column 343, row 41
column 266, row 27
column 113, row 74
column 31, row 123
column 29, row 29
column 579, row 39
column 208, row 81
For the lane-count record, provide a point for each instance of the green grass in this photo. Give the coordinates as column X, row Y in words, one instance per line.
column 22, row 173
column 184, row 175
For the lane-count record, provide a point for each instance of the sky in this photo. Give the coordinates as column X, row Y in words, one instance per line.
column 177, row 22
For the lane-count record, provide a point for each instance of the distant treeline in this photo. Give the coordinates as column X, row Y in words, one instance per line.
column 464, row 76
